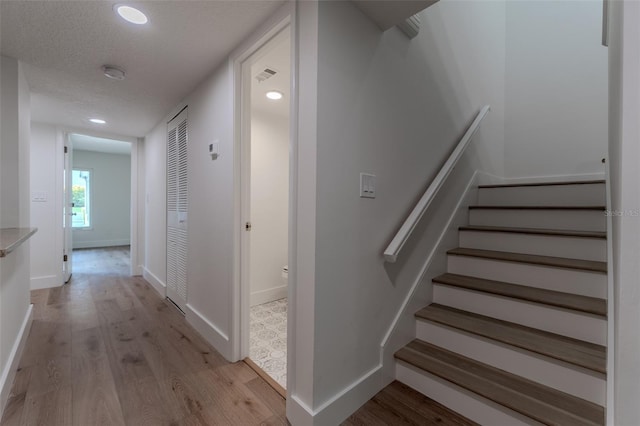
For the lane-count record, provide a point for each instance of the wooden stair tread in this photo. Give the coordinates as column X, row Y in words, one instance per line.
column 534, row 259
column 573, row 351
column 575, row 302
column 523, row 207
column 539, row 402
column 535, row 231
column 516, row 185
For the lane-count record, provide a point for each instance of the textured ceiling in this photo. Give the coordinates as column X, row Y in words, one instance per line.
column 63, row 45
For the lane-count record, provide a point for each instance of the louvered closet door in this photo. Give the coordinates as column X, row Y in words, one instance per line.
column 177, row 209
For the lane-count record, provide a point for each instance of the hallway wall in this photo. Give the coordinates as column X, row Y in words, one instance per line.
column 556, row 89
column 110, row 194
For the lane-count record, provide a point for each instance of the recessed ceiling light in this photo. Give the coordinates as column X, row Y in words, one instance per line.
column 97, row 121
column 131, row 14
column 112, row 72
column 274, row 95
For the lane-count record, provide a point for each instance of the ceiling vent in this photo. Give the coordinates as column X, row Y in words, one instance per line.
column 265, row 74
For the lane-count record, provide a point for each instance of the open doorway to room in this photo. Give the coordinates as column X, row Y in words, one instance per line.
column 99, row 176
column 265, row 197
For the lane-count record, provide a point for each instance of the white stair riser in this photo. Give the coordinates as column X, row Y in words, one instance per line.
column 539, row 368
column 575, row 220
column 585, row 327
column 574, row 281
column 545, row 245
column 553, row 195
column 460, row 400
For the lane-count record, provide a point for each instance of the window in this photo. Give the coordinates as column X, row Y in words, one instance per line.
column 81, row 193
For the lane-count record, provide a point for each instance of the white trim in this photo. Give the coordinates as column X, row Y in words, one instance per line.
column 393, row 249
column 155, row 282
column 11, row 367
column 208, row 330
column 133, row 208
column 103, row 243
column 47, row 281
column 239, row 314
column 611, row 308
column 268, row 295
column 339, row 406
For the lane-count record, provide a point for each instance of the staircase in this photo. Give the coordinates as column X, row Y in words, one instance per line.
column 517, row 329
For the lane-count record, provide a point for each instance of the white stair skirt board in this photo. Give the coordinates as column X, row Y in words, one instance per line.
column 576, row 220
column 565, row 280
column 544, row 245
column 592, row 194
column 460, row 400
column 556, row 374
column 582, row 326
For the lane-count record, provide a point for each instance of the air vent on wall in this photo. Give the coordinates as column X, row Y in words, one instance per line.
column 265, row 74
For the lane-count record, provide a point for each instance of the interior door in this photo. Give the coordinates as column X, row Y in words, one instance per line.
column 67, row 212
column 177, row 210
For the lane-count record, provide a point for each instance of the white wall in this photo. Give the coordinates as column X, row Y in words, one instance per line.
column 15, row 311
column 46, row 161
column 394, row 108
column 211, row 206
column 556, row 89
column 269, row 205
column 624, row 155
column 110, row 199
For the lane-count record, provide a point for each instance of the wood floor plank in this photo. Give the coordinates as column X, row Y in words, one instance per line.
column 14, row 409
column 51, row 409
column 573, row 351
column 536, row 231
column 539, row 402
column 559, row 262
column 575, row 302
column 106, row 349
column 95, row 399
column 525, row 184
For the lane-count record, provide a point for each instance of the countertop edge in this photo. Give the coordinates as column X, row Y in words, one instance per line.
column 12, row 238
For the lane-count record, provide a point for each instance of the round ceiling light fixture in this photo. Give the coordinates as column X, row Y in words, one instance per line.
column 97, row 121
column 131, row 14
column 274, row 95
column 112, row 72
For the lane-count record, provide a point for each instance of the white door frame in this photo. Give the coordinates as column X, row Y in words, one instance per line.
column 136, row 149
column 242, row 141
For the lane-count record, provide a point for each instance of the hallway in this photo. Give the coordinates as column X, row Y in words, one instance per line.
column 107, row 350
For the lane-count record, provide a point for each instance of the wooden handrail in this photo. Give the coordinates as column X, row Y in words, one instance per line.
column 403, row 234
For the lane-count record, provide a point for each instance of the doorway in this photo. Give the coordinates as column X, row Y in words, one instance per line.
column 98, row 200
column 265, row 180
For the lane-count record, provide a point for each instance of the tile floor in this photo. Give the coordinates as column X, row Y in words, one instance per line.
column 268, row 339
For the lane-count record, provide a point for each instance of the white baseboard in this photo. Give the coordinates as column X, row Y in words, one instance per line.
column 99, row 244
column 49, row 281
column 155, row 282
column 11, row 367
column 137, row 271
column 269, row 295
column 340, row 406
column 208, row 330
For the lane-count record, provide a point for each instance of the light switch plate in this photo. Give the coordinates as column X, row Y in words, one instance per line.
column 39, row 197
column 367, row 185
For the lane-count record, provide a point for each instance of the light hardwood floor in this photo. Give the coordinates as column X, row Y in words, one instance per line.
column 105, row 349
